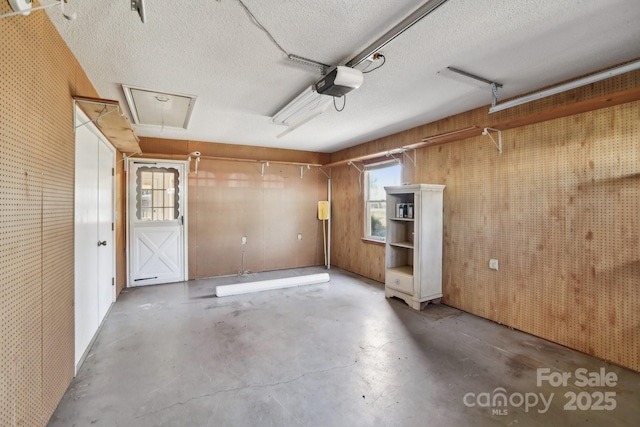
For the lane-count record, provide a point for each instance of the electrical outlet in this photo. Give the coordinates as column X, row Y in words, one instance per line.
column 493, row 264
column 244, row 240
column 299, row 236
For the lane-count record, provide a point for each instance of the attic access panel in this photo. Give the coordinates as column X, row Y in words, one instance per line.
column 155, row 108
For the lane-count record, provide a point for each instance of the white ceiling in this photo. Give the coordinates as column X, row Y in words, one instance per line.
column 212, row 49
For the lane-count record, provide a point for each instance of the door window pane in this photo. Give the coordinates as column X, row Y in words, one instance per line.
column 157, row 194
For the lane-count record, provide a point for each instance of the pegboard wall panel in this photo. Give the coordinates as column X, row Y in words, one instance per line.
column 559, row 209
column 228, row 200
column 36, row 217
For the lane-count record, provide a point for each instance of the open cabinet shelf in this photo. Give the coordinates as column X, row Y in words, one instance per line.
column 405, row 245
column 414, row 243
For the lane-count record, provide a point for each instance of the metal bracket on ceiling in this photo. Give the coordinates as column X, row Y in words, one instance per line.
column 310, row 62
column 412, row 160
column 138, row 6
column 494, row 85
column 494, row 94
column 497, row 144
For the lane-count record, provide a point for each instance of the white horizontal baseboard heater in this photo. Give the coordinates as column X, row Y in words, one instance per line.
column 269, row 285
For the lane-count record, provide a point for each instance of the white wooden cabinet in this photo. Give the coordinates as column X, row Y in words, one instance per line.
column 414, row 244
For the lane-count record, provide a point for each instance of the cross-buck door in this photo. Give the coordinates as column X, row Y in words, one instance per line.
column 157, row 216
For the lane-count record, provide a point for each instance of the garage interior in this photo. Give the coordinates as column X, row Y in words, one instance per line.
column 548, row 187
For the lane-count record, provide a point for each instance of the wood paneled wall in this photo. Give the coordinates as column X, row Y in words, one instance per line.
column 121, row 224
column 348, row 250
column 37, row 144
column 559, row 209
column 231, row 199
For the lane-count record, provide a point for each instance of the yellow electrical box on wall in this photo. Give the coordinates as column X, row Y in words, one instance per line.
column 323, row 210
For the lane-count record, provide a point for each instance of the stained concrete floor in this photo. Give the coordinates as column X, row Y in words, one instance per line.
column 335, row 354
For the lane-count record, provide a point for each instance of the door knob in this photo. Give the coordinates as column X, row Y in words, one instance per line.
column 103, row 243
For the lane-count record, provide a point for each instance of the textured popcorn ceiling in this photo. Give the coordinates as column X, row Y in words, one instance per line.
column 211, row 49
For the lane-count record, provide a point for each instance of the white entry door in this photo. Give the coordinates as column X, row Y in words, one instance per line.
column 94, row 289
column 157, row 216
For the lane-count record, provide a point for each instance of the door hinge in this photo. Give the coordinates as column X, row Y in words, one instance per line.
column 113, row 172
column 113, row 281
column 113, row 227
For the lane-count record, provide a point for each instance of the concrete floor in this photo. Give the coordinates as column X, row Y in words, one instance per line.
column 335, row 354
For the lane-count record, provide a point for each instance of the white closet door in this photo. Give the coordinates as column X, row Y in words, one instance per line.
column 86, row 239
column 94, row 290
column 106, row 261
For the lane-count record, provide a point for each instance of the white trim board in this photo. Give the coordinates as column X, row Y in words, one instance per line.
column 268, row 285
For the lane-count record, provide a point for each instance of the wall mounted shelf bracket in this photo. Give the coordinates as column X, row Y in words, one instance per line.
column 498, row 144
column 302, row 168
column 197, row 163
column 406, row 154
column 25, row 7
column 107, row 108
column 356, row 167
column 324, row 173
column 392, row 155
column 115, row 127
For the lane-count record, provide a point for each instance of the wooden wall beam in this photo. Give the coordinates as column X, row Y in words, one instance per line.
column 622, row 97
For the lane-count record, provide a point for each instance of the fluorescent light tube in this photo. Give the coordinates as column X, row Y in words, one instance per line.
column 302, row 108
column 632, row 66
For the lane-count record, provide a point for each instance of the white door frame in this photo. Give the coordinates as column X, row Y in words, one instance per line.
column 83, row 120
column 184, row 188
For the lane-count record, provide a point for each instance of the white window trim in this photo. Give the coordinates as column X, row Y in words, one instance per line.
column 366, row 219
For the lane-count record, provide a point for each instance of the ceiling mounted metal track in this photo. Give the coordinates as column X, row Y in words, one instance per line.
column 494, row 85
column 404, row 25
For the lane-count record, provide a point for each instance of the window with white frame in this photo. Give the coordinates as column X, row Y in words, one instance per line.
column 376, row 177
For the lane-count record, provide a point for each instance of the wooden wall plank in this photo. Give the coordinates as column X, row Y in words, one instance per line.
column 348, row 250
column 121, row 224
column 558, row 209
